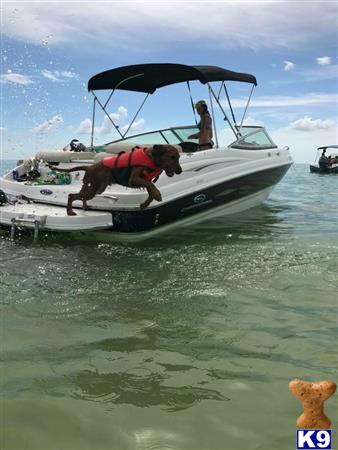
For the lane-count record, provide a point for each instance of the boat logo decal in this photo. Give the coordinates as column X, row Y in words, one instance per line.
column 200, row 198
column 46, row 192
column 196, row 205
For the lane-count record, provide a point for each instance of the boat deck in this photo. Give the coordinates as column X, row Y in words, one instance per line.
column 50, row 217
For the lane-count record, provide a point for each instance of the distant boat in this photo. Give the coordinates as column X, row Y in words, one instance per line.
column 329, row 164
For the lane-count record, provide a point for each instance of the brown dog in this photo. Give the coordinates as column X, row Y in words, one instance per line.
column 135, row 175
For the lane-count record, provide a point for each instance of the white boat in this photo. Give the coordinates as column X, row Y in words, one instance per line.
column 221, row 180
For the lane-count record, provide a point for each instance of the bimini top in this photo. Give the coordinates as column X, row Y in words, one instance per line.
column 149, row 77
column 327, row 146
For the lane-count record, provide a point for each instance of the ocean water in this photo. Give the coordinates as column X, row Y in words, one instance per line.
column 186, row 341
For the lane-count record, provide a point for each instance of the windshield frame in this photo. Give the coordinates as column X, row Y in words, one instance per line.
column 255, row 129
column 161, row 131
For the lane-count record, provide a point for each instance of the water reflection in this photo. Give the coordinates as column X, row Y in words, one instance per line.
column 261, row 222
column 139, row 387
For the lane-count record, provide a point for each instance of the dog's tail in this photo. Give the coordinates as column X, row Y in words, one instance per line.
column 73, row 169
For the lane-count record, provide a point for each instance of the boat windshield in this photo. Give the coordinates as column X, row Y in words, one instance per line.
column 172, row 135
column 253, row 138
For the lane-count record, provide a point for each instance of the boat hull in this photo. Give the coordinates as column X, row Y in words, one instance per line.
column 228, row 197
column 228, row 209
column 328, row 170
column 213, row 182
column 201, row 201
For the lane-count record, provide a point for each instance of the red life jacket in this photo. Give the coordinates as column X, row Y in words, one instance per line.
column 137, row 157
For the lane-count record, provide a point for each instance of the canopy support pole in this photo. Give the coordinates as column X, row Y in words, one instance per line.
column 93, row 123
column 213, row 115
column 220, row 89
column 119, row 84
column 228, row 98
column 240, row 127
column 111, row 120
column 192, row 102
column 105, row 105
column 110, row 96
column 134, row 118
column 221, row 108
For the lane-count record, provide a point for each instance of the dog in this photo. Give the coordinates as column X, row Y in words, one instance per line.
column 136, row 169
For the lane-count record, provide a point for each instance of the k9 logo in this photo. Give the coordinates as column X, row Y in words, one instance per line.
column 316, row 439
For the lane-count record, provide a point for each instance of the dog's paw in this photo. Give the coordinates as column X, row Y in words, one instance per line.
column 71, row 213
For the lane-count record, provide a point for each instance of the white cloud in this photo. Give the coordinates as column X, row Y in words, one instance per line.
column 2, row 129
column 15, row 78
column 252, row 24
column 120, row 115
column 288, row 65
column 57, row 76
column 48, row 74
column 67, row 74
column 106, row 126
column 251, row 121
column 137, row 126
column 324, row 60
column 308, row 124
column 48, row 125
column 286, row 101
column 85, row 127
column 315, row 73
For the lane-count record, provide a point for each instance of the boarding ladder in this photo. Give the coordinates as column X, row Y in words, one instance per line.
column 17, row 221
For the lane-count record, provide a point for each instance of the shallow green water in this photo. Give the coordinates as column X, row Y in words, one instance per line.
column 183, row 342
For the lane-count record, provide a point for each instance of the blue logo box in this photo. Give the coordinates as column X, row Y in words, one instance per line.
column 314, row 439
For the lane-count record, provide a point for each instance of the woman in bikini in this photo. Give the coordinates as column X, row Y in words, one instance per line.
column 204, row 136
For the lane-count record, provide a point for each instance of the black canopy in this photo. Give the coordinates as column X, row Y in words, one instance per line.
column 149, row 77
column 327, row 146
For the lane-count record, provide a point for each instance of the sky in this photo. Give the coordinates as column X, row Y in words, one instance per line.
column 50, row 49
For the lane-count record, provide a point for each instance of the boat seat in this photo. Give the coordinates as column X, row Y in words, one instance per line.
column 64, row 156
column 99, row 157
column 107, row 150
column 120, row 147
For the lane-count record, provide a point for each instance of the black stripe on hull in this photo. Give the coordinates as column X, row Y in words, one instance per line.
column 197, row 202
